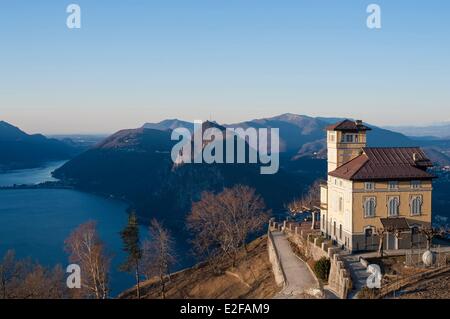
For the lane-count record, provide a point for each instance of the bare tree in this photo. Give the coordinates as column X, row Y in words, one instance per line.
column 430, row 233
column 9, row 271
column 24, row 279
column 43, row 283
column 307, row 201
column 223, row 222
column 88, row 251
column 158, row 254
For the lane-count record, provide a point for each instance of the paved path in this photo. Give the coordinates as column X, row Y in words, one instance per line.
column 300, row 280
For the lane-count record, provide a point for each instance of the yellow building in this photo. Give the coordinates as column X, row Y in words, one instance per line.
column 371, row 189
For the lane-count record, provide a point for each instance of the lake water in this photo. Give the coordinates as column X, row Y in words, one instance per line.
column 36, row 222
column 30, row 176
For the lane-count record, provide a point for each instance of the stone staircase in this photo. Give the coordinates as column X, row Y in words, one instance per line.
column 358, row 273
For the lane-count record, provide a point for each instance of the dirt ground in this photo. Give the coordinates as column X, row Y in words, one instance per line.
column 394, row 268
column 251, row 278
column 433, row 288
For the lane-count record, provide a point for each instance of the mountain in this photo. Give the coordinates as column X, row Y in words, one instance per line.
column 136, row 165
column 21, row 150
column 169, row 125
column 300, row 134
column 441, row 131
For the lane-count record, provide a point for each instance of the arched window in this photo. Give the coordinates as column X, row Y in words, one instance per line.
column 393, row 206
column 369, row 207
column 416, row 205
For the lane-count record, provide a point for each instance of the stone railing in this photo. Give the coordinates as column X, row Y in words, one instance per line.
column 274, row 257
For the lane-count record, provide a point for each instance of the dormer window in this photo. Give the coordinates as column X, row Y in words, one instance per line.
column 415, row 184
column 393, row 185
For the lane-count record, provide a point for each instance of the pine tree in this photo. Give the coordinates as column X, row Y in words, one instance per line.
column 130, row 237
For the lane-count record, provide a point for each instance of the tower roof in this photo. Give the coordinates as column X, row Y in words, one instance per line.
column 348, row 126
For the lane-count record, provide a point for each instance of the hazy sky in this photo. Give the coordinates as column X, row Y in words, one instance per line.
column 139, row 61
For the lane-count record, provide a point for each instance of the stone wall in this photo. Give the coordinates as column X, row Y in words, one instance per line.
column 280, row 278
column 339, row 279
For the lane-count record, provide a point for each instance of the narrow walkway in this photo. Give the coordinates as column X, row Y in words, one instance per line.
column 300, row 282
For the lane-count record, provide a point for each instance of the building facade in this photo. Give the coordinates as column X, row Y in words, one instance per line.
column 373, row 189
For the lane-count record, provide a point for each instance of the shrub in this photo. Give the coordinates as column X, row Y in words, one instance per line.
column 322, row 268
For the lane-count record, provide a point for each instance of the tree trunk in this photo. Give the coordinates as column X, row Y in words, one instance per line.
column 138, row 291
column 380, row 245
column 163, row 287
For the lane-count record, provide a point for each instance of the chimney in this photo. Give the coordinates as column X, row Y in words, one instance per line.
column 358, row 122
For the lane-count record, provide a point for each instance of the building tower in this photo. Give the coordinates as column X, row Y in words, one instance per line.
column 345, row 141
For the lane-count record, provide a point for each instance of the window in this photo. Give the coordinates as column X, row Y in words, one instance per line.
column 332, row 137
column 415, row 184
column 369, row 186
column 341, row 204
column 393, row 206
column 334, row 229
column 323, row 221
column 348, row 138
column 393, row 185
column 340, row 231
column 369, row 207
column 416, row 205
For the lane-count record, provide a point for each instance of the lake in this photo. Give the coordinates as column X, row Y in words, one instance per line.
column 30, row 176
column 35, row 222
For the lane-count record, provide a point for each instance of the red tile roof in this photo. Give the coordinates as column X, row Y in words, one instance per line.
column 349, row 126
column 394, row 163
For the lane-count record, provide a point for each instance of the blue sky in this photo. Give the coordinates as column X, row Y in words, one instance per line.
column 229, row 60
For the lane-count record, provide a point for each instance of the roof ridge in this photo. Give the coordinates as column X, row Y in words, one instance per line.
column 367, row 160
column 391, row 147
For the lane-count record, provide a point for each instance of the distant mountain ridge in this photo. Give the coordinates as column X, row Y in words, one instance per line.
column 296, row 131
column 440, row 131
column 21, row 150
